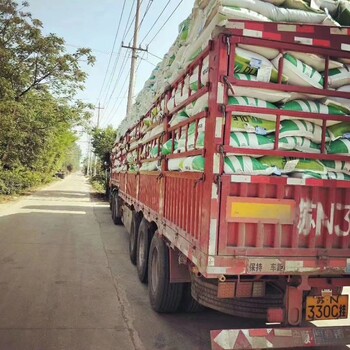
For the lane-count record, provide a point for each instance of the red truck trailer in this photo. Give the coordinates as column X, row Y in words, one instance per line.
column 268, row 247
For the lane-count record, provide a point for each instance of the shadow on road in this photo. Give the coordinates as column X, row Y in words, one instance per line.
column 54, row 275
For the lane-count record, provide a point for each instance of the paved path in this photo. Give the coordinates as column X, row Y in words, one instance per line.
column 66, row 282
column 56, row 286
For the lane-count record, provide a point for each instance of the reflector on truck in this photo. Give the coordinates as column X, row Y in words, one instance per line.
column 246, row 209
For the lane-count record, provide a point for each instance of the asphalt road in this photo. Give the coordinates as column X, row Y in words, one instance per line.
column 66, row 281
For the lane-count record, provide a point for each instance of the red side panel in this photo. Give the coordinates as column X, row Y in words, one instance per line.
column 319, row 218
column 150, row 194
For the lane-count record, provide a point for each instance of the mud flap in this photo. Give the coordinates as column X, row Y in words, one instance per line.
column 276, row 338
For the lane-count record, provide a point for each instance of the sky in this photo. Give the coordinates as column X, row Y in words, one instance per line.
column 94, row 24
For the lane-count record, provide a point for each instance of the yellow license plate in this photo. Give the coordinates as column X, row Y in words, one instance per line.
column 329, row 307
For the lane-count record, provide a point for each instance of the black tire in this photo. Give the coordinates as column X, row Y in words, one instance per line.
column 188, row 303
column 135, row 223
column 113, row 205
column 116, row 210
column 164, row 296
column 110, row 199
column 144, row 237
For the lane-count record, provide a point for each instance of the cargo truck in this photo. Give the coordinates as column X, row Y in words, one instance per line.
column 273, row 247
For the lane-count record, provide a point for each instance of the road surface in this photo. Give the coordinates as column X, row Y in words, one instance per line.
column 66, row 281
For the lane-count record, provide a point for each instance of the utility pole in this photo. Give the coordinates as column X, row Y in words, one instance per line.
column 97, row 126
column 134, row 49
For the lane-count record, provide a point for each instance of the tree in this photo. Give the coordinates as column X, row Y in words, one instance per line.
column 103, row 141
column 31, row 61
column 38, row 111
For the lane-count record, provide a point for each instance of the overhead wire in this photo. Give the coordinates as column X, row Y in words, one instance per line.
column 122, row 68
column 111, row 55
column 156, row 21
column 167, row 20
column 117, row 61
column 122, row 90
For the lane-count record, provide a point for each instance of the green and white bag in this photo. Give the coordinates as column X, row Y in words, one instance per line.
column 251, row 124
column 283, row 164
column 309, row 175
column 311, row 107
column 339, row 77
column 340, row 103
column 167, row 147
column 272, row 96
column 299, row 73
column 253, row 141
column 149, row 166
column 200, row 105
column 339, row 131
column 246, row 166
column 341, row 146
column 299, row 143
column 196, row 163
column 338, row 176
column 303, row 128
column 248, row 62
column 175, row 164
column 249, row 102
column 154, row 152
column 178, row 118
column 337, row 166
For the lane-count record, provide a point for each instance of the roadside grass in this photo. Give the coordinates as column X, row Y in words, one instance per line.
column 24, row 193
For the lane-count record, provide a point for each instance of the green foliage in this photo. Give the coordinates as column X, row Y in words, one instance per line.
column 98, row 183
column 38, row 113
column 103, row 142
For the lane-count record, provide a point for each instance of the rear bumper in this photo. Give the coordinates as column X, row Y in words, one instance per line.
column 242, row 265
column 275, row 338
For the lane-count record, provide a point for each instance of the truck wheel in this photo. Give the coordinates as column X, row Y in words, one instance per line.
column 116, row 210
column 110, row 199
column 135, row 223
column 164, row 296
column 188, row 303
column 113, row 205
column 143, row 243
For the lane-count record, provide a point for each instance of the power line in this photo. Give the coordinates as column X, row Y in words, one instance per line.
column 116, row 62
column 122, row 67
column 114, row 110
column 150, row 2
column 167, row 20
column 127, row 23
column 152, row 54
column 155, row 22
column 110, row 57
